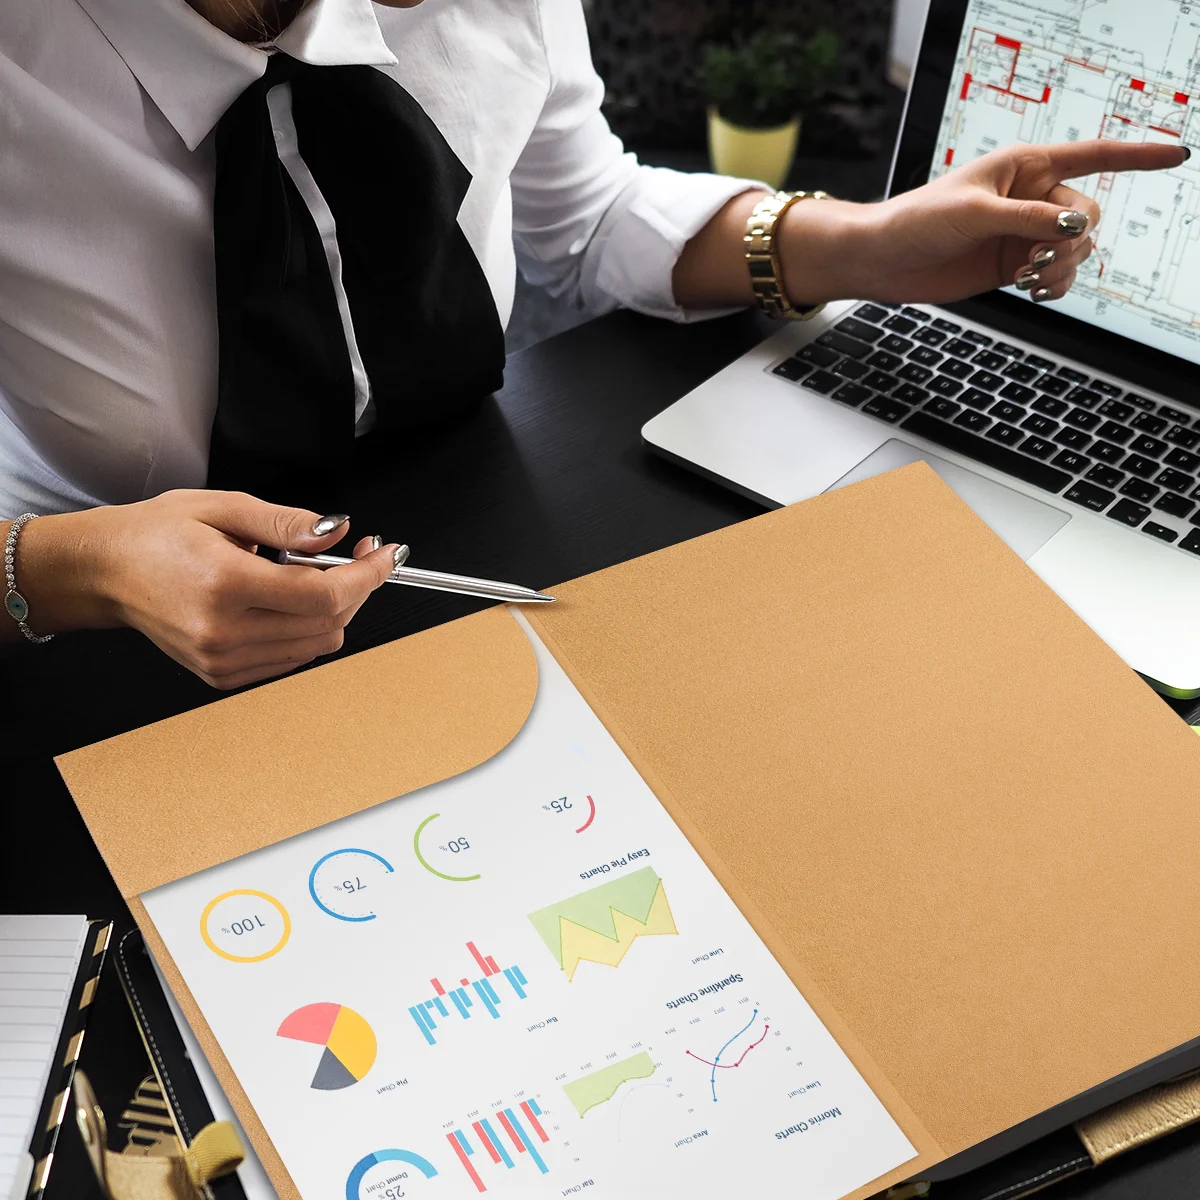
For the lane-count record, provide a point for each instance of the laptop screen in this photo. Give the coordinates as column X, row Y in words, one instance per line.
column 1041, row 71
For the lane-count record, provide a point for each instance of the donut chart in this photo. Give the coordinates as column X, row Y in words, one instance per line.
column 348, row 1041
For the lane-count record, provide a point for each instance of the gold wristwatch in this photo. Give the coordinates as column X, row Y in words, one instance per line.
column 762, row 255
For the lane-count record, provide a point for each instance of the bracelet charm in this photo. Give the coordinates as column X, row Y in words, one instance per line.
column 15, row 604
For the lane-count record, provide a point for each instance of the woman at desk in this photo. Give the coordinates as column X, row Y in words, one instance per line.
column 236, row 235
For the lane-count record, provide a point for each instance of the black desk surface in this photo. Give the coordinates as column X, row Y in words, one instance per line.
column 548, row 482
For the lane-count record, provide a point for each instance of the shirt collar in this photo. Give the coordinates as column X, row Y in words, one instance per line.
column 193, row 72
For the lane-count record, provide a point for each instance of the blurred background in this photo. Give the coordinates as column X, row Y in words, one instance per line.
column 800, row 93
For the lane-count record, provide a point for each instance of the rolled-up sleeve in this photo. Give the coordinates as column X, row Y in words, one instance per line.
column 590, row 223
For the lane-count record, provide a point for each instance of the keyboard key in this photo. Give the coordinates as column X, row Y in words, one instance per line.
column 1113, row 432
column 1018, row 392
column 1174, row 414
column 853, row 394
column 1174, row 505
column 1105, row 388
column 1183, row 460
column 1083, row 397
column 793, row 369
column 1137, row 465
column 1148, row 423
column 1053, row 385
column 925, row 356
column 860, row 329
column 1042, row 364
column 915, row 313
column 823, row 382
column 819, row 356
column 1108, row 477
column 1106, row 452
column 991, row 454
column 1073, row 439
column 1008, row 350
column 871, row 312
column 1038, row 447
column 914, row 372
column 851, row 347
column 931, row 337
column 1082, row 419
column 943, row 385
column 1087, row 495
column 884, row 361
column 955, row 368
column 1148, row 445
column 980, row 339
column 1006, row 411
column 881, row 381
column 850, row 368
column 1115, row 410
column 1139, row 489
column 1071, row 374
column 1021, row 372
column 898, row 324
column 1180, row 436
column 1159, row 531
column 975, row 398
column 1177, row 481
column 1007, row 435
column 1070, row 461
column 1191, row 542
column 1128, row 513
column 985, row 379
column 886, row 409
column 989, row 360
column 1050, row 406
column 1036, row 423
column 910, row 395
column 1139, row 401
column 970, row 419
column 959, row 348
column 946, row 326
column 895, row 345
column 941, row 407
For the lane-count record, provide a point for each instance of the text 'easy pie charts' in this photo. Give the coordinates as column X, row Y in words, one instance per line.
column 348, row 1042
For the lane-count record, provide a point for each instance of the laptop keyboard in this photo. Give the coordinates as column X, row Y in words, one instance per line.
column 1089, row 440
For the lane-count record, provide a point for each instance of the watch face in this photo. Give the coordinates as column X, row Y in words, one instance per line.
column 15, row 606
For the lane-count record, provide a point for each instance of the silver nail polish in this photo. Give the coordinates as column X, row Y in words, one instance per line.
column 1040, row 294
column 1026, row 280
column 324, row 525
column 1072, row 222
column 1043, row 258
column 376, row 542
column 401, row 556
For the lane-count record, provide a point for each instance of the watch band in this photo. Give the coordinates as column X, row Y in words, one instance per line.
column 15, row 604
column 762, row 255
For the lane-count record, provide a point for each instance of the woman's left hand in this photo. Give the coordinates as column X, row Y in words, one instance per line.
column 1007, row 217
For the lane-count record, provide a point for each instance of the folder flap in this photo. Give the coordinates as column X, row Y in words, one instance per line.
column 401, row 716
column 863, row 706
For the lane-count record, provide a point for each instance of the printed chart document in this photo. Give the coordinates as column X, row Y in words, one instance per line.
column 523, row 979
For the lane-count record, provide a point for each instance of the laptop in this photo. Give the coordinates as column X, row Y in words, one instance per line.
column 1073, row 428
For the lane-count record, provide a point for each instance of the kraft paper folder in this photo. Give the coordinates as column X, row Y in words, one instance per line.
column 859, row 711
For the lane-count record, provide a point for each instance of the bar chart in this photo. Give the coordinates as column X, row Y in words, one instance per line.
column 429, row 1012
column 499, row 1143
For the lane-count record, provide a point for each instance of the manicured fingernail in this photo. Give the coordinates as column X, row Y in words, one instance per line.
column 401, row 556
column 1043, row 258
column 376, row 542
column 1026, row 279
column 324, row 525
column 1072, row 222
column 1040, row 294
column 1186, row 153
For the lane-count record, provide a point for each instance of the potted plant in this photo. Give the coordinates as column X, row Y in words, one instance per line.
column 758, row 89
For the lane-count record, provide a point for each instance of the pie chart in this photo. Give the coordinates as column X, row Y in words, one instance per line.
column 348, row 1041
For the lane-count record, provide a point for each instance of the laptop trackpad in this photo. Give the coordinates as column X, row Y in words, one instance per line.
column 1024, row 523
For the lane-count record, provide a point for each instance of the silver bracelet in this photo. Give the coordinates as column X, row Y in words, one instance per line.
column 15, row 604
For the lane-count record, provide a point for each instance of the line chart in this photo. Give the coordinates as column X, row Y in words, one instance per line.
column 717, row 1065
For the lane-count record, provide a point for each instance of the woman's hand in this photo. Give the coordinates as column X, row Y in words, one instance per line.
column 1004, row 218
column 182, row 569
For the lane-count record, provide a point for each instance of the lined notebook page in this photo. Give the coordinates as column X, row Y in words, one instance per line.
column 39, row 961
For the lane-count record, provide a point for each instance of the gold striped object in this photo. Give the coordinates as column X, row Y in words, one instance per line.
column 762, row 255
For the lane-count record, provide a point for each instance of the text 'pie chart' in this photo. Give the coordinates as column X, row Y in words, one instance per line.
column 348, row 1041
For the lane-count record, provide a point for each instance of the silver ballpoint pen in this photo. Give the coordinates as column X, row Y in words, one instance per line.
column 436, row 581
